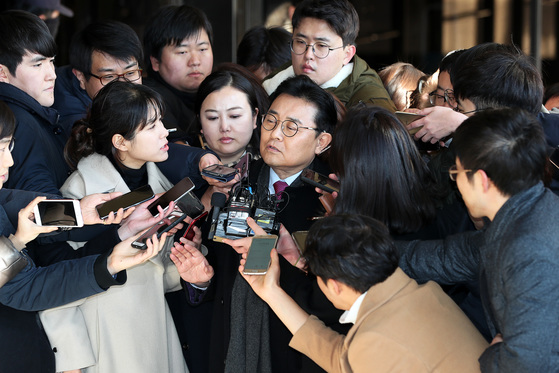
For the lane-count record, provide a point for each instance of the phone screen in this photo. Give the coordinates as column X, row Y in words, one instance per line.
column 180, row 189
column 258, row 258
column 58, row 213
column 125, row 201
column 190, row 204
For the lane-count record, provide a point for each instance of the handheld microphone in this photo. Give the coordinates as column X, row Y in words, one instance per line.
column 218, row 202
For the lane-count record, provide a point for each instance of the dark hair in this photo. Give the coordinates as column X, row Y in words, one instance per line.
column 508, row 144
column 381, row 172
column 340, row 15
column 551, row 91
column 113, row 38
column 170, row 25
column 449, row 60
column 266, row 48
column 119, row 108
column 236, row 76
column 7, row 121
column 353, row 249
column 303, row 87
column 496, row 76
column 21, row 33
column 399, row 79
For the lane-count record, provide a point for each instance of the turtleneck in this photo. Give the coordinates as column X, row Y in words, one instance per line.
column 134, row 178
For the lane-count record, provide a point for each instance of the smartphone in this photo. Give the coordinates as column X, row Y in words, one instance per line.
column 320, row 181
column 196, row 222
column 300, row 237
column 258, row 258
column 406, row 118
column 62, row 213
column 162, row 226
column 190, row 204
column 220, row 172
column 125, row 201
column 179, row 190
column 242, row 165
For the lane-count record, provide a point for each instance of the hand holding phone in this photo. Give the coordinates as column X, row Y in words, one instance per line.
column 406, row 118
column 162, row 226
column 125, row 201
column 320, row 181
column 220, row 172
column 172, row 195
column 196, row 222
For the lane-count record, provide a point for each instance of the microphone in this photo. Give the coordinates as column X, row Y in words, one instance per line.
column 218, row 202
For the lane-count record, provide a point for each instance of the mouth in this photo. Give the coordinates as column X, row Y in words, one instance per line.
column 307, row 69
column 165, row 147
column 226, row 140
column 195, row 74
column 272, row 149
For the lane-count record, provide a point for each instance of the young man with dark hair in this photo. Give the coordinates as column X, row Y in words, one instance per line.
column 501, row 157
column 27, row 78
column 356, row 267
column 323, row 48
column 178, row 55
column 101, row 52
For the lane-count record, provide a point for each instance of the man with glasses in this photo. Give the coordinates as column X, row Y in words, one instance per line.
column 323, row 48
column 500, row 162
column 100, row 53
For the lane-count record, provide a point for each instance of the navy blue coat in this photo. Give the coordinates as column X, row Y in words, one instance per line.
column 39, row 163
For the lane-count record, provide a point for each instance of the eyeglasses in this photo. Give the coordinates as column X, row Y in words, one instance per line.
column 453, row 171
column 288, row 127
column 439, row 100
column 320, row 50
column 129, row 76
column 10, row 146
column 460, row 110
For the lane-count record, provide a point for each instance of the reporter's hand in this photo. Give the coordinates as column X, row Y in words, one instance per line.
column 125, row 256
column 193, row 267
column 141, row 218
column 264, row 286
column 323, row 192
column 90, row 214
column 288, row 249
column 437, row 123
column 242, row 245
column 27, row 229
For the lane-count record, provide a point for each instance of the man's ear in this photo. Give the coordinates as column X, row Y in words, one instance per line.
column 486, row 182
column 335, row 286
column 120, row 143
column 324, row 140
column 81, row 77
column 4, row 78
column 154, row 63
column 349, row 53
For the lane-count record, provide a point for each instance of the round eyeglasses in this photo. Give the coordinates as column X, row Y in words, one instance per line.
column 288, row 127
column 439, row 100
column 129, row 76
column 320, row 50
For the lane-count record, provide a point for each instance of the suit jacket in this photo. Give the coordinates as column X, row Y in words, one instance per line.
column 401, row 327
column 129, row 328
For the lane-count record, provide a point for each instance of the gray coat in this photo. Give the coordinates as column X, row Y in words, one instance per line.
column 516, row 259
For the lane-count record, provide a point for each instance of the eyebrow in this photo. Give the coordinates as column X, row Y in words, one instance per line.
column 325, row 39
column 130, row 65
column 290, row 118
column 38, row 58
column 215, row 111
column 186, row 45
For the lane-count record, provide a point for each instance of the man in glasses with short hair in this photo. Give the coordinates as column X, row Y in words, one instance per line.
column 323, row 48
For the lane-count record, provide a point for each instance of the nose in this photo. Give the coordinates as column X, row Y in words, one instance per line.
column 7, row 159
column 309, row 53
column 277, row 132
column 194, row 59
column 224, row 125
column 51, row 74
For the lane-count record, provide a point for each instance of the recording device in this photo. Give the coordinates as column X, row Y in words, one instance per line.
column 320, row 181
column 244, row 202
column 218, row 202
column 172, row 195
column 125, row 201
column 406, row 118
column 162, row 226
column 62, row 213
column 300, row 238
column 258, row 257
column 220, row 172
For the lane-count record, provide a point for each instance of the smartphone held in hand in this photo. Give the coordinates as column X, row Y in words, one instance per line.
column 258, row 258
column 62, row 213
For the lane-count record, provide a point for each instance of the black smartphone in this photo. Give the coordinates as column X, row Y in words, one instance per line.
column 258, row 258
column 190, row 204
column 179, row 190
column 162, row 226
column 196, row 222
column 320, row 181
column 220, row 172
column 125, row 201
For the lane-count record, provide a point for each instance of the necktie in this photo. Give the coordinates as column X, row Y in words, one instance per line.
column 279, row 187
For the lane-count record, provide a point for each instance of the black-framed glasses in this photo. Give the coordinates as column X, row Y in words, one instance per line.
column 320, row 50
column 288, row 127
column 461, row 111
column 10, row 145
column 439, row 100
column 129, row 76
column 453, row 171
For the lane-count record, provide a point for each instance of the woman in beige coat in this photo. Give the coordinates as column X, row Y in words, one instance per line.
column 129, row 328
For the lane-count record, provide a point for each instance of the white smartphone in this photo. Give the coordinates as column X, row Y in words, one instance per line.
column 63, row 213
column 258, row 258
